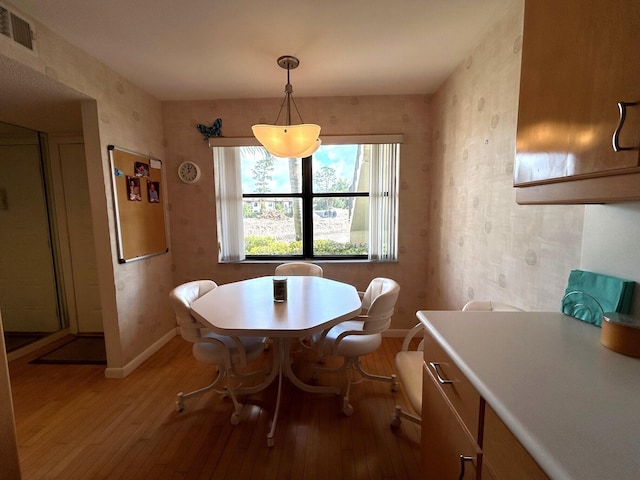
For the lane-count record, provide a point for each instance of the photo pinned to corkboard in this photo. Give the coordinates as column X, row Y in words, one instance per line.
column 141, row 169
column 153, row 192
column 133, row 189
column 138, row 207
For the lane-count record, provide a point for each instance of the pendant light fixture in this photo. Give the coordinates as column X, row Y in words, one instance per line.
column 288, row 141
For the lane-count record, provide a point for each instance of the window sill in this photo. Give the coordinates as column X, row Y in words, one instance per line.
column 318, row 261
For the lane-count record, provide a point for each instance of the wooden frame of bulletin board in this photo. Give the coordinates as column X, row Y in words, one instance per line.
column 138, row 203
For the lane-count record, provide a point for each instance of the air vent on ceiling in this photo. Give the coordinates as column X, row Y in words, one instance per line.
column 16, row 28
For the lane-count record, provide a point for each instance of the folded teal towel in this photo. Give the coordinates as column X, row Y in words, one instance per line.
column 589, row 295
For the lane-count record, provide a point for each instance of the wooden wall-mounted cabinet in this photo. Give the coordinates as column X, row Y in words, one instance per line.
column 578, row 63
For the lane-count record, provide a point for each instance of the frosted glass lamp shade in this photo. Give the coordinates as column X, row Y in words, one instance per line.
column 289, row 141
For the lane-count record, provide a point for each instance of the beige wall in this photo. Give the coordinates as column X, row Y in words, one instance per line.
column 461, row 234
column 134, row 296
column 192, row 207
column 483, row 245
column 472, row 241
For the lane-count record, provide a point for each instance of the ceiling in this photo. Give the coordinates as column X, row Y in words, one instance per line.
column 197, row 49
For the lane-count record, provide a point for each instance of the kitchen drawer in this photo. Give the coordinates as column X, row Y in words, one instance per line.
column 487, row 472
column 504, row 455
column 447, row 446
column 462, row 395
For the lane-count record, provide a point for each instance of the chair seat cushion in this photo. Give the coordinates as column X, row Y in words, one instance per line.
column 409, row 368
column 213, row 353
column 350, row 345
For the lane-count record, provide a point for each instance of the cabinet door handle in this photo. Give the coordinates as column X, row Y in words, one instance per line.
column 435, row 366
column 622, row 107
column 463, row 460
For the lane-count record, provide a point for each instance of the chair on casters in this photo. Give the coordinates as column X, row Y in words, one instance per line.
column 299, row 269
column 409, row 368
column 208, row 347
column 409, row 362
column 360, row 336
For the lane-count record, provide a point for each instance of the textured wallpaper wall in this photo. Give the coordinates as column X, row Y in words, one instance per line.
column 192, row 207
column 135, row 296
column 462, row 236
column 483, row 245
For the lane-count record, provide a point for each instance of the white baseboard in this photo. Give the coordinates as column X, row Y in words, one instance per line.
column 137, row 361
column 395, row 332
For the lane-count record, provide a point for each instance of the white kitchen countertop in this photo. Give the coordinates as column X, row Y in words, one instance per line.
column 571, row 402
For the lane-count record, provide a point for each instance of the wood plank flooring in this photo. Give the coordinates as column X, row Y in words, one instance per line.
column 72, row 423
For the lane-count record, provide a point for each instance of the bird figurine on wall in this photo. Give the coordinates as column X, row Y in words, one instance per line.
column 215, row 130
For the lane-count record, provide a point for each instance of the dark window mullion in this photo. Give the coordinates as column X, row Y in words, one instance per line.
column 307, row 208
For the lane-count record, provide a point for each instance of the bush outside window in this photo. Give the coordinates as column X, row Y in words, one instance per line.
column 339, row 203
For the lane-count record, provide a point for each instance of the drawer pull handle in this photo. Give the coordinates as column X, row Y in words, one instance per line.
column 622, row 107
column 463, row 460
column 443, row 381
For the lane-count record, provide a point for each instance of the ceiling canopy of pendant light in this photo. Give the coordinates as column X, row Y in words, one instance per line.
column 288, row 141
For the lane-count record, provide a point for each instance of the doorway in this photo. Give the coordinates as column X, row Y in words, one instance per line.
column 28, row 287
column 48, row 278
column 75, row 232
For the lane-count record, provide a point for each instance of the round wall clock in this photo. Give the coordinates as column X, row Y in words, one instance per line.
column 189, row 172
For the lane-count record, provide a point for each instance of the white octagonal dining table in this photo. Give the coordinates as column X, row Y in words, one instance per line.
column 247, row 308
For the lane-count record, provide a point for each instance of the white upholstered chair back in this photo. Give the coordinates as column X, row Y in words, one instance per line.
column 181, row 298
column 409, row 362
column 360, row 335
column 299, row 269
column 208, row 347
column 378, row 303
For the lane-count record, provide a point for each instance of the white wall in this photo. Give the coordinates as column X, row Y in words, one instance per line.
column 610, row 243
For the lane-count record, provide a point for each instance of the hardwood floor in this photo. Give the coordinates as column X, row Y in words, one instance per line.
column 72, row 423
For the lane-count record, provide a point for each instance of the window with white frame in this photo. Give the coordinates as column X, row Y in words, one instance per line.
column 339, row 203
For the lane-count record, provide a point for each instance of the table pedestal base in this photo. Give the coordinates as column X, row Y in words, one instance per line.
column 282, row 367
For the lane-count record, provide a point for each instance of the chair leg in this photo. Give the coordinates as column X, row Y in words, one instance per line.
column 237, row 407
column 354, row 365
column 232, row 373
column 351, row 365
column 391, row 379
column 223, row 373
column 242, row 376
column 399, row 413
column 181, row 396
column 395, row 421
column 318, row 369
column 305, row 343
column 347, row 408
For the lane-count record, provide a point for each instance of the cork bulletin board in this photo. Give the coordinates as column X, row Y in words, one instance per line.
column 138, row 203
